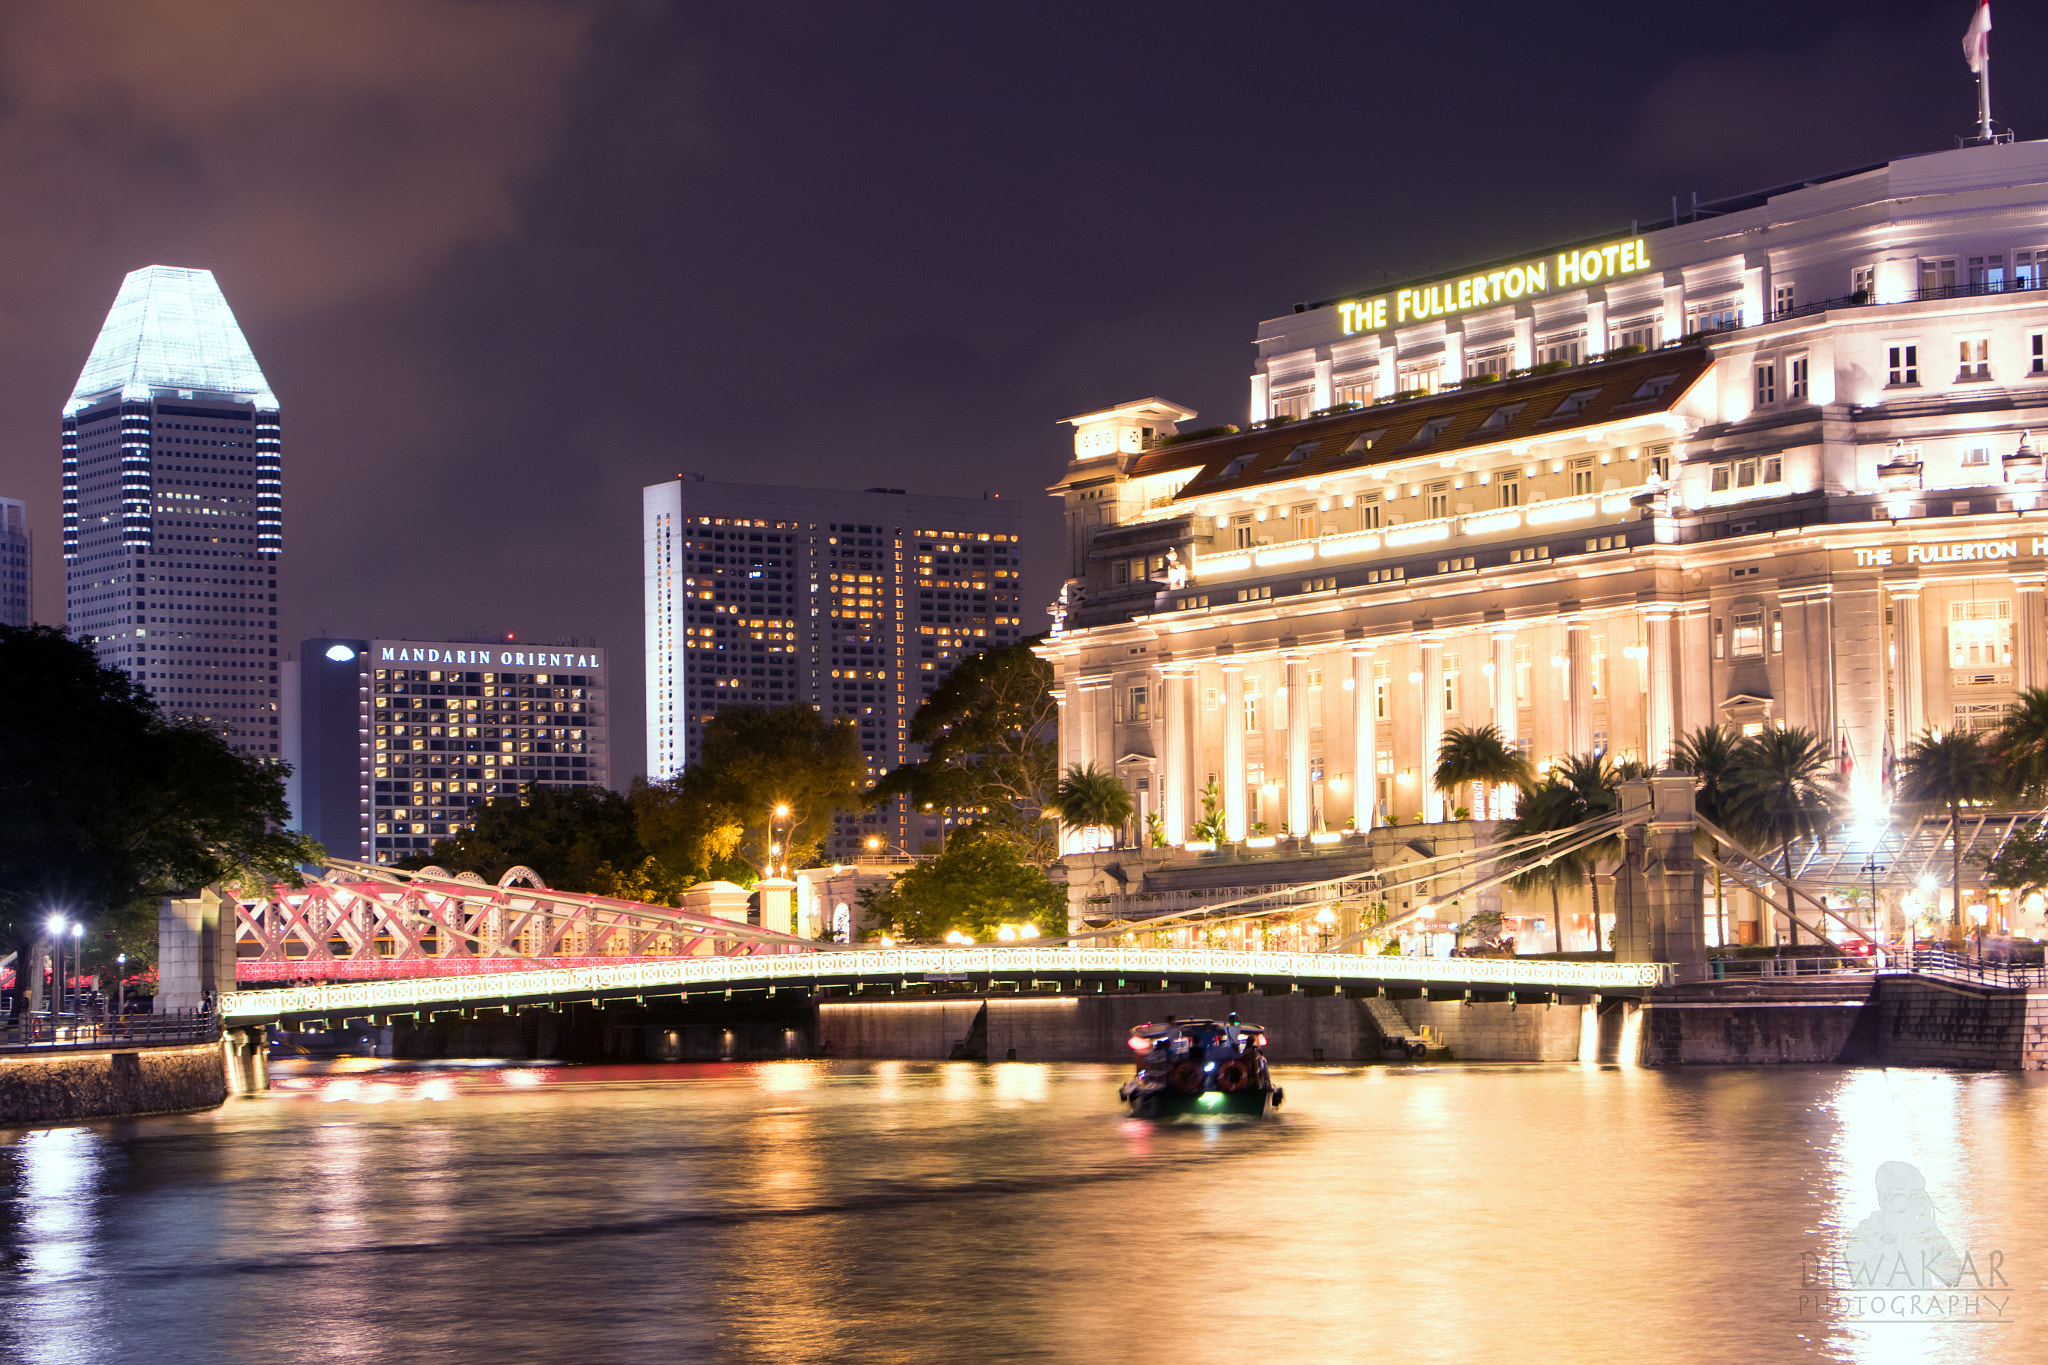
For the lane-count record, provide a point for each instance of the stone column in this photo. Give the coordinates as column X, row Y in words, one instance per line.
column 1233, row 752
column 1674, row 304
column 1364, row 742
column 1323, row 396
column 1454, row 353
column 1261, row 402
column 1908, row 691
column 1388, row 374
column 1297, row 748
column 1596, row 321
column 1505, row 712
column 2030, row 633
column 1194, row 775
column 1173, row 764
column 1659, row 722
column 1525, row 336
column 1432, row 726
column 1579, row 688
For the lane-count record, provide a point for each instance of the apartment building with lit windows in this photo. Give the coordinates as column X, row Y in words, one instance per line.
column 17, row 605
column 1770, row 463
column 174, row 506
column 395, row 743
column 856, row 604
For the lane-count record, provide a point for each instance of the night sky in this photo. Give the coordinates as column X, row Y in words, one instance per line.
column 504, row 263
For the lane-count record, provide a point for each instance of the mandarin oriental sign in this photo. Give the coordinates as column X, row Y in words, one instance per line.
column 1951, row 552
column 1489, row 288
column 474, row 656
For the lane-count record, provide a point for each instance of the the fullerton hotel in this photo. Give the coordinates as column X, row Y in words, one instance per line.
column 1768, row 464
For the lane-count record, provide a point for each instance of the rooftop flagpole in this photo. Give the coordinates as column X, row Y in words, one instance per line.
column 1977, row 52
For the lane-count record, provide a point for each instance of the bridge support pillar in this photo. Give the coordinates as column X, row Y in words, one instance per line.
column 1658, row 915
column 775, row 903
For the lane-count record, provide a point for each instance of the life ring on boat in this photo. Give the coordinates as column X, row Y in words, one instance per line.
column 1233, row 1076
column 1186, row 1076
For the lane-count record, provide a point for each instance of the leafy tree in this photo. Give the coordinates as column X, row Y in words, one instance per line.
column 106, row 803
column 2021, row 863
column 1950, row 768
column 991, row 735
column 714, row 819
column 977, row 885
column 1211, row 826
column 650, row 883
column 565, row 834
column 2022, row 748
column 1478, row 755
column 1091, row 798
column 1782, row 784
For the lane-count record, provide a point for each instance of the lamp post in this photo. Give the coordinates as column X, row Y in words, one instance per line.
column 120, row 984
column 77, row 933
column 56, row 927
column 779, row 816
column 1326, row 923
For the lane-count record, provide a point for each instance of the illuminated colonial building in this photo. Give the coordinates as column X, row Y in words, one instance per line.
column 1767, row 464
column 857, row 604
column 174, row 505
column 394, row 742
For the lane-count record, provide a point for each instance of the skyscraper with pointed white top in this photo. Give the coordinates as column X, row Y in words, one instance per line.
column 174, row 505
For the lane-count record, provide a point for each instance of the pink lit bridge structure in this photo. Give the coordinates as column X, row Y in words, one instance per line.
column 368, row 942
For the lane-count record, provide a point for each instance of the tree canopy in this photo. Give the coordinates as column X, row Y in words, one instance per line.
column 106, row 803
column 976, row 886
column 990, row 733
column 566, row 835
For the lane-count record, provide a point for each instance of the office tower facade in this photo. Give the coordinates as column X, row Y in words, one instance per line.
column 16, row 570
column 855, row 604
column 174, row 506
column 394, row 742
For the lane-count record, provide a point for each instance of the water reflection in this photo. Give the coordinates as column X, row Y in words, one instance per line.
column 954, row 1211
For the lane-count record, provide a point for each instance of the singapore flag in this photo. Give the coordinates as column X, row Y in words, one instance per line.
column 1977, row 37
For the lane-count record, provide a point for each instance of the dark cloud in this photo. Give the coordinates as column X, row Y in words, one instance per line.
column 505, row 262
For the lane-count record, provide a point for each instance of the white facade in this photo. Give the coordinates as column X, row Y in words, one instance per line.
column 174, row 506
column 1764, row 466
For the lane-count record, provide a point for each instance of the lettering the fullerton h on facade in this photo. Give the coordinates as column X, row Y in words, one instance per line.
column 1952, row 553
column 1490, row 288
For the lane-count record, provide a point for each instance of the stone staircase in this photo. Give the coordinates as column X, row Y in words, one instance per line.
column 1397, row 1039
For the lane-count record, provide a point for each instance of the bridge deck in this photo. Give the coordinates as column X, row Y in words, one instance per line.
column 1103, row 967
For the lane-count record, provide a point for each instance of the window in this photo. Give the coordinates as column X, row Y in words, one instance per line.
column 1300, row 453
column 1421, row 378
column 1451, row 675
column 1532, row 553
column 2035, row 355
column 1863, row 280
column 1938, row 277
column 1795, row 378
column 1660, row 462
column 1582, row 476
column 2026, row 268
column 1777, row 632
column 1653, row 387
column 1641, row 332
column 1305, row 523
column 1313, row 679
column 1457, row 565
column 1566, row 348
column 1369, row 512
column 1293, row 402
column 1385, row 575
column 1495, row 362
column 1363, row 442
column 1135, row 710
column 1119, row 573
column 1380, row 684
column 1318, row 584
column 1508, row 490
column 1237, row 466
column 1576, row 402
column 1980, row 633
column 1501, row 416
column 1356, row 391
column 1902, row 366
column 1439, row 500
column 1241, row 530
column 1976, row 457
column 1766, row 384
column 1209, row 699
column 1725, row 316
column 1749, row 634
column 1719, row 639
column 1745, row 473
column 1523, row 671
column 1987, row 274
column 1596, row 664
column 1781, row 300
column 1981, row 718
column 1430, row 430
column 1251, row 711
column 1774, row 469
column 1974, row 358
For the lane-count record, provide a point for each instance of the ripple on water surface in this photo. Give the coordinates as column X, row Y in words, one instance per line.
column 954, row 1212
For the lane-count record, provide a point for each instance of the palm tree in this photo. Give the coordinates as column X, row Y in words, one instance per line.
column 1948, row 768
column 1591, row 780
column 1574, row 791
column 1708, row 754
column 1091, row 798
column 2022, row 747
column 1782, row 781
column 1478, row 755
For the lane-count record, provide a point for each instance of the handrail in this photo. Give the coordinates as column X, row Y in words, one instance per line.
column 38, row 1033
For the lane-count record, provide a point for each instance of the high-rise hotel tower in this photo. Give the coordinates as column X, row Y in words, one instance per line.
column 174, row 508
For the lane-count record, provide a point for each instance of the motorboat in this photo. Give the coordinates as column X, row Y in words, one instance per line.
column 1199, row 1066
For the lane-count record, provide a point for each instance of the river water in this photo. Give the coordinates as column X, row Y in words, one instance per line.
column 957, row 1212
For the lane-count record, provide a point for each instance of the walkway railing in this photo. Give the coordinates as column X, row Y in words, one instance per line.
column 1954, row 966
column 65, row 1032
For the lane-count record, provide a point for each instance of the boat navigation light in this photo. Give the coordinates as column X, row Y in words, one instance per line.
column 1140, row 1044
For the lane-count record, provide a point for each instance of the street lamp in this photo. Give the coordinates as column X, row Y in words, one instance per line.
column 1326, row 924
column 120, row 984
column 779, row 814
column 77, row 933
column 57, row 927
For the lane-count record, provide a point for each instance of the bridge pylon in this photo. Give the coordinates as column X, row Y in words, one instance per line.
column 1660, row 915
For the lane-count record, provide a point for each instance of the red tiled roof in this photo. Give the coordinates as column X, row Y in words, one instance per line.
column 1542, row 405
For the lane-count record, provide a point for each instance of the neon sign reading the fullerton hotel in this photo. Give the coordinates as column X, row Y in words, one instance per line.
column 1956, row 552
column 1492, row 287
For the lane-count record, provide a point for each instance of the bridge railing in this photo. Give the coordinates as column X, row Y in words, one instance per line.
column 1954, row 966
column 37, row 1033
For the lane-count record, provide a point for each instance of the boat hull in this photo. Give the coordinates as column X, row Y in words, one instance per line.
column 1169, row 1103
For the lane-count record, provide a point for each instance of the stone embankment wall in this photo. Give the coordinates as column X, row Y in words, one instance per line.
column 1894, row 1021
column 65, row 1087
column 1920, row 1022
column 1491, row 1031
